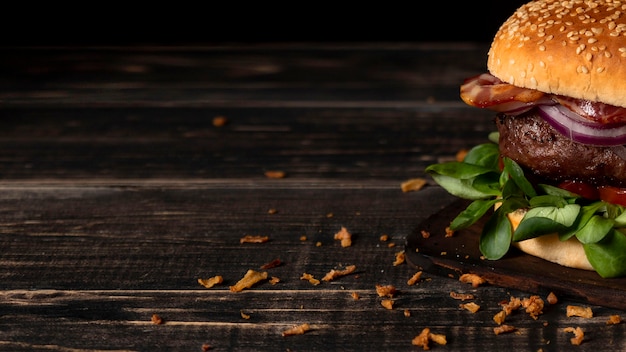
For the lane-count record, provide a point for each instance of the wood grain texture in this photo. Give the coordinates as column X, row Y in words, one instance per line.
column 117, row 192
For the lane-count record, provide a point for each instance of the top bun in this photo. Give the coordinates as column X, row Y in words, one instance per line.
column 574, row 48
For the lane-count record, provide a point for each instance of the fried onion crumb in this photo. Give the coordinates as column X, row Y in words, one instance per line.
column 473, row 279
column 333, row 274
column 470, row 306
column 254, row 239
column 387, row 303
column 400, row 257
column 415, row 278
column 212, row 281
column 297, row 330
column 424, row 338
column 552, row 299
column 578, row 311
column 273, row 264
column 344, row 236
column 579, row 335
column 500, row 317
column 503, row 329
column 274, row 280
column 534, row 306
column 275, row 174
column 414, row 184
column 614, row 320
column 251, row 278
column 386, row 291
column 312, row 280
column 156, row 319
column 461, row 296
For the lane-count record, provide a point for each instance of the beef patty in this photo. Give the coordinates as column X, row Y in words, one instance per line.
column 537, row 147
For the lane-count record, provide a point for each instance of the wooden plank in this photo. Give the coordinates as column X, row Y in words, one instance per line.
column 165, row 238
column 305, row 75
column 183, row 143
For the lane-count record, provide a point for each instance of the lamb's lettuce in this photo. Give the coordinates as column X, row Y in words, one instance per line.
column 487, row 179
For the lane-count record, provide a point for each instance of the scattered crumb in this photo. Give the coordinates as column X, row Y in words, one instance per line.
column 513, row 304
column 272, row 211
column 470, row 306
column 333, row 274
column 275, row 174
column 303, row 238
column 297, row 330
column 500, row 317
column 426, row 336
column 318, row 244
column 355, row 296
column 473, row 279
column 156, row 319
column 386, row 291
column 614, row 319
column 425, row 234
column 578, row 311
column 249, row 279
column 534, row 306
column 219, row 121
column 552, row 299
column 384, row 238
column 461, row 296
column 399, row 258
column 274, row 280
column 414, row 184
column 310, row 279
column 387, row 303
column 273, row 264
column 344, row 236
column 460, row 155
column 579, row 335
column 503, row 329
column 415, row 278
column 206, row 347
column 244, row 315
column 449, row 232
column 254, row 239
column 407, row 313
column 212, row 281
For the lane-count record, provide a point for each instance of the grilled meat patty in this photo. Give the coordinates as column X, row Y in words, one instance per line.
column 537, row 147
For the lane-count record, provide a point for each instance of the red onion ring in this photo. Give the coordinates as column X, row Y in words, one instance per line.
column 581, row 130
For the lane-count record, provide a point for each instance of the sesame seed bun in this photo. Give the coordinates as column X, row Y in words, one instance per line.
column 568, row 253
column 573, row 48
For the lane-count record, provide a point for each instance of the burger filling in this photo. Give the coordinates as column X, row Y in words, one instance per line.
column 560, row 159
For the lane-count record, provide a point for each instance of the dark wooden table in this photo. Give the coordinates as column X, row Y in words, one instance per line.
column 119, row 190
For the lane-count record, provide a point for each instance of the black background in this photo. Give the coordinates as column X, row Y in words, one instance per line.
column 211, row 23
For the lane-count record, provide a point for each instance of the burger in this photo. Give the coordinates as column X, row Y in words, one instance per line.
column 552, row 178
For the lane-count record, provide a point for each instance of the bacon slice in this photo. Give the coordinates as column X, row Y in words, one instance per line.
column 488, row 91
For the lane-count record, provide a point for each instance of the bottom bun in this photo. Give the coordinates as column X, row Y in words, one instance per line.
column 569, row 253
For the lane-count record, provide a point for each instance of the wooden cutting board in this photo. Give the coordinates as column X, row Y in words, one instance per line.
column 459, row 254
